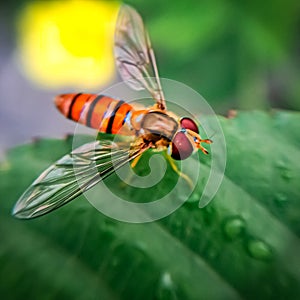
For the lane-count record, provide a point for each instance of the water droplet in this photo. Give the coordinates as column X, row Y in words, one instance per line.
column 258, row 249
column 234, row 227
column 285, row 172
column 210, row 209
column 281, row 199
column 166, row 288
column 194, row 198
column 280, row 164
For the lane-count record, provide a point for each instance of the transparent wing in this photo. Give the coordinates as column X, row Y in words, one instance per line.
column 134, row 55
column 72, row 175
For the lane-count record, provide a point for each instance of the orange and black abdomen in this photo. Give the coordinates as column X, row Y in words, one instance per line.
column 96, row 111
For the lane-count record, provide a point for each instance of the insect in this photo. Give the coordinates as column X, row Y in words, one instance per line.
column 149, row 127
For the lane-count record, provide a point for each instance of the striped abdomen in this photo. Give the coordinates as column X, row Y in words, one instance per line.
column 96, row 111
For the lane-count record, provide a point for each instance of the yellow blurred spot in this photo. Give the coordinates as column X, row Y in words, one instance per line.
column 68, row 42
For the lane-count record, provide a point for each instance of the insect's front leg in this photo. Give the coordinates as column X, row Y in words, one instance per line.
column 199, row 140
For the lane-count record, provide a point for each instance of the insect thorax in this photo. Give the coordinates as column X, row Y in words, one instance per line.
column 159, row 124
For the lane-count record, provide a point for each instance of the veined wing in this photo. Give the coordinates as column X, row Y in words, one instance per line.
column 134, row 55
column 72, row 175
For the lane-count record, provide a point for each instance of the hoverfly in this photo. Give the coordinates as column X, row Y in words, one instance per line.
column 150, row 127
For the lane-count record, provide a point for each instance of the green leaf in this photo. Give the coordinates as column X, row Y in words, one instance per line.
column 244, row 244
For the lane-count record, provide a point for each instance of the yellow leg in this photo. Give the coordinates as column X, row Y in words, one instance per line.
column 184, row 176
column 135, row 161
column 173, row 166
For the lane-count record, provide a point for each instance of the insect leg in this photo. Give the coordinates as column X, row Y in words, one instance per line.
column 135, row 161
column 198, row 140
column 175, row 169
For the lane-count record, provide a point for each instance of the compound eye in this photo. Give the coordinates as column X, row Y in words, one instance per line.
column 181, row 146
column 188, row 123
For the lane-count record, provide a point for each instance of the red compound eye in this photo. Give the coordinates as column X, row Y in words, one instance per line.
column 188, row 123
column 181, row 146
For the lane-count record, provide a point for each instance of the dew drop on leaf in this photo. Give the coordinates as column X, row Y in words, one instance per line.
column 280, row 199
column 195, row 197
column 259, row 249
column 234, row 227
column 166, row 288
column 285, row 172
